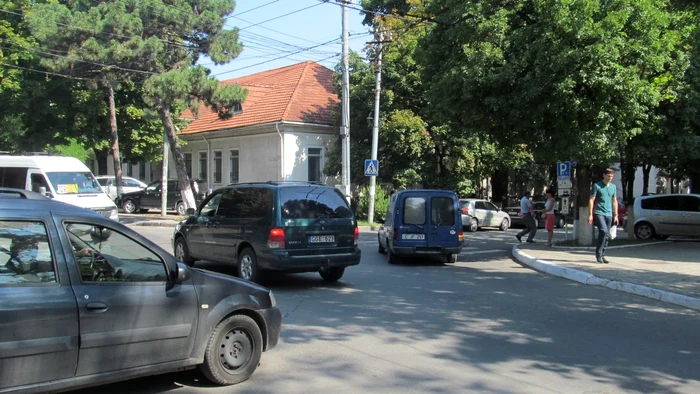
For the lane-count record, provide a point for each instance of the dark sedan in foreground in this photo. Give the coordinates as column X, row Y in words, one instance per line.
column 85, row 300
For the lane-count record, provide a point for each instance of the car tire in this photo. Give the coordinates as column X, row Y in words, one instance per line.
column 452, row 257
column 248, row 266
column 473, row 225
column 233, row 352
column 644, row 231
column 390, row 256
column 180, row 208
column 129, row 206
column 182, row 252
column 560, row 222
column 381, row 249
column 331, row 274
column 504, row 225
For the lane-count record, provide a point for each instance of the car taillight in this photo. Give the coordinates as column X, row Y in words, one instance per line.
column 357, row 235
column 277, row 240
column 396, row 233
column 460, row 235
column 465, row 211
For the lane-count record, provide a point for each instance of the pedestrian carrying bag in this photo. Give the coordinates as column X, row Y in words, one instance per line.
column 613, row 232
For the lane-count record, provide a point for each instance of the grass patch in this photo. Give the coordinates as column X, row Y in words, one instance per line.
column 613, row 242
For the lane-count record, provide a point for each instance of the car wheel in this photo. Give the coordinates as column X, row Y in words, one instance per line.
column 129, row 206
column 560, row 222
column 182, row 252
column 233, row 351
column 331, row 274
column 381, row 249
column 452, row 258
column 180, row 208
column 504, row 225
column 473, row 225
column 248, row 266
column 390, row 256
column 644, row 231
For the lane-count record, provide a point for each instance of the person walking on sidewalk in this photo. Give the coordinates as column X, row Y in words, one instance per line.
column 528, row 213
column 602, row 210
column 549, row 216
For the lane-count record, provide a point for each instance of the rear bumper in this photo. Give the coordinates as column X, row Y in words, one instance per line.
column 423, row 250
column 281, row 260
column 273, row 321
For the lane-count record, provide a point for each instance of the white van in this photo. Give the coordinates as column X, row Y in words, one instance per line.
column 64, row 179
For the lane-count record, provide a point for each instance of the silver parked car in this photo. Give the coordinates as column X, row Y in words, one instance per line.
column 477, row 213
column 663, row 215
column 109, row 185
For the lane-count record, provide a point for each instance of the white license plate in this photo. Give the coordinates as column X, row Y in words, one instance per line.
column 319, row 239
column 412, row 236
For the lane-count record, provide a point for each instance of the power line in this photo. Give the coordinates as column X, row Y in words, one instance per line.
column 253, row 9
column 47, row 72
column 280, row 16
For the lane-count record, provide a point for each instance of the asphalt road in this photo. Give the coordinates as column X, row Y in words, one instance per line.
column 484, row 324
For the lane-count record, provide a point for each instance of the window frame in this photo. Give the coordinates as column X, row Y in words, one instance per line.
column 320, row 157
column 203, row 170
column 238, row 166
column 188, row 163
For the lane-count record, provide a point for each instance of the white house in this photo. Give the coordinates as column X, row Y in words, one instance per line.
column 282, row 131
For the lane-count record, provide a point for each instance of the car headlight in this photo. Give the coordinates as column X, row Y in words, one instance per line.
column 273, row 301
column 113, row 214
column 178, row 227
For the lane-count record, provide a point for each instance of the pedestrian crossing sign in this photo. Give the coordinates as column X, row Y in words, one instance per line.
column 371, row 167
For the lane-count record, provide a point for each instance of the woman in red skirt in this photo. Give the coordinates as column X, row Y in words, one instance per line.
column 549, row 216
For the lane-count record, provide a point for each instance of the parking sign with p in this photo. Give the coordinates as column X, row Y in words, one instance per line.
column 564, row 169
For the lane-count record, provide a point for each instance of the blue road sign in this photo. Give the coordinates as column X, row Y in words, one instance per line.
column 371, row 167
column 564, row 169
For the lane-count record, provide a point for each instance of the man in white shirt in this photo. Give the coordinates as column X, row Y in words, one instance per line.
column 528, row 212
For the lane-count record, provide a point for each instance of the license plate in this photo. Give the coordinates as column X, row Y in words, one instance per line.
column 319, row 239
column 412, row 236
column 515, row 213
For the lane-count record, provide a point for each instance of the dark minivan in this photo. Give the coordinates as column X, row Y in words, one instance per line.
column 274, row 226
column 422, row 222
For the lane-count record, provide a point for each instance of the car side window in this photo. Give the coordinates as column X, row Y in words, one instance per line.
column 39, row 181
column 689, row 204
column 105, row 255
column 25, row 253
column 442, row 211
column 209, row 209
column 649, row 203
column 669, row 203
column 480, row 205
column 414, row 210
column 490, row 206
column 227, row 204
column 129, row 183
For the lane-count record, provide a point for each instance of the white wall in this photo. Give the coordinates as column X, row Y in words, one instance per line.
column 296, row 146
column 638, row 180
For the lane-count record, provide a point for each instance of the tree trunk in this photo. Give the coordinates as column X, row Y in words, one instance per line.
column 114, row 135
column 646, row 169
column 182, row 178
column 629, row 172
column 583, row 230
column 499, row 185
column 695, row 183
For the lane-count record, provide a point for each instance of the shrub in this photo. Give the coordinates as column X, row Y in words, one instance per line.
column 381, row 204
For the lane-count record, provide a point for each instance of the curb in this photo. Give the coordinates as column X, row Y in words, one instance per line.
column 612, row 247
column 590, row 279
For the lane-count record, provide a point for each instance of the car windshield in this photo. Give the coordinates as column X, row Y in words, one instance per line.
column 74, row 182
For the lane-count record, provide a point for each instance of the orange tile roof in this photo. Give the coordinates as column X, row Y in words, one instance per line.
column 302, row 92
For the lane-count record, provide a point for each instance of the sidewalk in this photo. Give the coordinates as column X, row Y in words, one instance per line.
column 667, row 271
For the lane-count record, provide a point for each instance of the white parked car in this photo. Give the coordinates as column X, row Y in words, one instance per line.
column 129, row 185
column 478, row 213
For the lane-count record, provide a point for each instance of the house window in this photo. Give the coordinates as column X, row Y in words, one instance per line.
column 188, row 164
column 315, row 164
column 217, row 166
column 233, row 166
column 203, row 166
column 142, row 169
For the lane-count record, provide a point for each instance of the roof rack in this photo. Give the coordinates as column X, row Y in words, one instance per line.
column 8, row 192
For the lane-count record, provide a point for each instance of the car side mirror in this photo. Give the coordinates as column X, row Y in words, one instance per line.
column 183, row 272
column 189, row 211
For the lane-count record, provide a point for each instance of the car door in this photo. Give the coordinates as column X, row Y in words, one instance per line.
column 226, row 225
column 496, row 214
column 130, row 314
column 151, row 195
column 443, row 226
column 200, row 237
column 38, row 311
column 484, row 216
column 130, row 185
column 689, row 209
column 667, row 215
column 412, row 229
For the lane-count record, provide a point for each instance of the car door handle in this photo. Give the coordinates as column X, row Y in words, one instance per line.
column 96, row 306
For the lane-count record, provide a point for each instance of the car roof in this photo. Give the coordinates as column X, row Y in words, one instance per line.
column 279, row 184
column 19, row 199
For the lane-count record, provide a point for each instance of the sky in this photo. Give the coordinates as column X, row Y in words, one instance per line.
column 301, row 30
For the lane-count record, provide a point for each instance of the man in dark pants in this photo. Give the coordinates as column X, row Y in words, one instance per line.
column 602, row 210
column 527, row 210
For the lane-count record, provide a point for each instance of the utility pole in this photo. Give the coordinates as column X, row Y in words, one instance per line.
column 164, row 178
column 345, row 127
column 375, row 126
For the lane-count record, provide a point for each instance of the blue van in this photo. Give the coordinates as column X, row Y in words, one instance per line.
column 422, row 222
